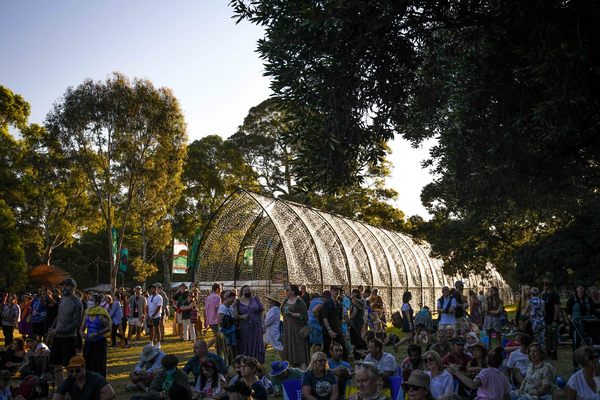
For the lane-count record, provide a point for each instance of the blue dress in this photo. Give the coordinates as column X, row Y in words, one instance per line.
column 316, row 333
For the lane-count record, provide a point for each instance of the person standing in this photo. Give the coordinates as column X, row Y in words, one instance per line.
column 476, row 313
column 11, row 313
column 83, row 384
column 304, row 295
column 460, row 311
column 493, row 308
column 332, row 321
column 25, row 328
column 164, row 309
column 187, row 307
column 536, row 316
column 551, row 317
column 315, row 337
column 155, row 306
column 408, row 326
column 250, row 316
column 356, row 321
column 446, row 307
column 295, row 316
column 272, row 326
column 63, row 332
column 137, row 307
column 178, row 299
column 226, row 318
column 95, row 325
column 212, row 302
column 38, row 315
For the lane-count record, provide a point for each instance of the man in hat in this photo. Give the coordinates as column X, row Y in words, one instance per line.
column 366, row 378
column 63, row 332
column 145, row 369
column 281, row 372
column 82, row 384
column 457, row 356
column 155, row 306
column 137, row 305
column 551, row 317
column 418, row 385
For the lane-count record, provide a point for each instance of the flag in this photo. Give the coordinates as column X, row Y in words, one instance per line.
column 193, row 252
column 115, row 244
column 180, row 257
column 124, row 260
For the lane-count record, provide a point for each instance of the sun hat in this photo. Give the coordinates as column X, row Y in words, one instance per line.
column 419, row 379
column 273, row 298
column 76, row 362
column 279, row 367
column 149, row 352
column 137, row 287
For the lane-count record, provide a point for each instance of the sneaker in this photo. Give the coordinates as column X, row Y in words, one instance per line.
column 130, row 387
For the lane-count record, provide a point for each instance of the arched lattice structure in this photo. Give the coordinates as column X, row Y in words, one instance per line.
column 268, row 242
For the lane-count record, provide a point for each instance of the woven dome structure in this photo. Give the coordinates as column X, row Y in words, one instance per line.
column 268, row 242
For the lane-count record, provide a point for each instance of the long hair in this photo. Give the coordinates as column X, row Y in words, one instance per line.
column 214, row 378
column 313, row 360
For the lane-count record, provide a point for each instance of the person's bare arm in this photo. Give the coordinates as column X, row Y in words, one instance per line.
column 334, row 392
column 472, row 384
column 306, row 395
column 107, row 392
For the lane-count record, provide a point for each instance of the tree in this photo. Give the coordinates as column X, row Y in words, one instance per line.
column 120, row 132
column 13, row 270
column 261, row 141
column 509, row 89
column 143, row 269
column 214, row 169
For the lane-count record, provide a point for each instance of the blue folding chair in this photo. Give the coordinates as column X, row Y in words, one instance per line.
column 396, row 388
column 292, row 390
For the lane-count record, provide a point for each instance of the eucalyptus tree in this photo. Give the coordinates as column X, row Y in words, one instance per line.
column 125, row 135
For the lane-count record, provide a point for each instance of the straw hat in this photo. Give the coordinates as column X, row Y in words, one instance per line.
column 419, row 379
column 149, row 352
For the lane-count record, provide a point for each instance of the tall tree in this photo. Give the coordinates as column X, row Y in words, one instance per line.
column 12, row 257
column 119, row 132
column 509, row 89
column 214, row 169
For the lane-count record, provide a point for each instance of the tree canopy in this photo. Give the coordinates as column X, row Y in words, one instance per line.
column 508, row 89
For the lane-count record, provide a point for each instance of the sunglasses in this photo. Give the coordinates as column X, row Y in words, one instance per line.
column 412, row 387
column 75, row 371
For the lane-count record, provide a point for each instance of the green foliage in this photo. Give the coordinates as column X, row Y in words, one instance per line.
column 214, row 169
column 13, row 270
column 143, row 269
column 129, row 140
column 509, row 90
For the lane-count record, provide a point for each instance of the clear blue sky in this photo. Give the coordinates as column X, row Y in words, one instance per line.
column 191, row 46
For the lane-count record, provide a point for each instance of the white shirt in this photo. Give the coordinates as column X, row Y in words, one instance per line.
column 387, row 363
column 443, row 303
column 272, row 334
column 518, row 360
column 441, row 384
column 578, row 384
column 154, row 301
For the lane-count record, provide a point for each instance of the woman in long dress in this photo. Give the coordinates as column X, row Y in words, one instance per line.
column 295, row 316
column 249, row 312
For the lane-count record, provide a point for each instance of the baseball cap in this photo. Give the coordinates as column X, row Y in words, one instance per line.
column 76, row 362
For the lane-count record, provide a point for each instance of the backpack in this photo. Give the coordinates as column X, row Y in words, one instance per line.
column 397, row 319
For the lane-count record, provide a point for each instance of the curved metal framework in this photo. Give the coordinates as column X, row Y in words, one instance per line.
column 268, row 242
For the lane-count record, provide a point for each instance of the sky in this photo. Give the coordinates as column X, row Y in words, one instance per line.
column 193, row 47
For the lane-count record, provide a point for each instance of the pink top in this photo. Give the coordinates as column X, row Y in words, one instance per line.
column 211, row 308
column 494, row 384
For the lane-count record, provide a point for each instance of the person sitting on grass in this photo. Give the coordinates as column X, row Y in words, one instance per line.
column 164, row 378
column 441, row 381
column 581, row 384
column 418, row 386
column 318, row 383
column 518, row 361
column 540, row 377
column 412, row 362
column 239, row 391
column 202, row 354
column 83, row 385
column 479, row 360
column 490, row 382
column 250, row 366
column 340, row 368
column 366, row 379
column 145, row 370
column 281, row 372
column 385, row 362
column 237, row 367
column 211, row 382
column 36, row 358
column 457, row 356
column 441, row 346
column 178, row 392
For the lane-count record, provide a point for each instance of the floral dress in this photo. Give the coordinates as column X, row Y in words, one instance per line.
column 536, row 316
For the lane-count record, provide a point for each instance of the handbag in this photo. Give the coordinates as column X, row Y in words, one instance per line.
column 305, row 331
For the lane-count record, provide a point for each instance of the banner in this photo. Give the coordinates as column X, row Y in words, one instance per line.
column 180, row 257
column 193, row 255
column 115, row 244
column 124, row 260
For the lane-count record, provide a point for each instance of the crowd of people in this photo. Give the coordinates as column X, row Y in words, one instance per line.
column 331, row 343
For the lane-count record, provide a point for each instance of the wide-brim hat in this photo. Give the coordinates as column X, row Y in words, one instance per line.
column 279, row 367
column 419, row 379
column 273, row 298
column 149, row 352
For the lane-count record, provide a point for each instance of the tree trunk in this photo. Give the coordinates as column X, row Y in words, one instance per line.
column 166, row 271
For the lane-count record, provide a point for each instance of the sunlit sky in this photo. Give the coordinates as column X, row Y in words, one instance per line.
column 192, row 46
